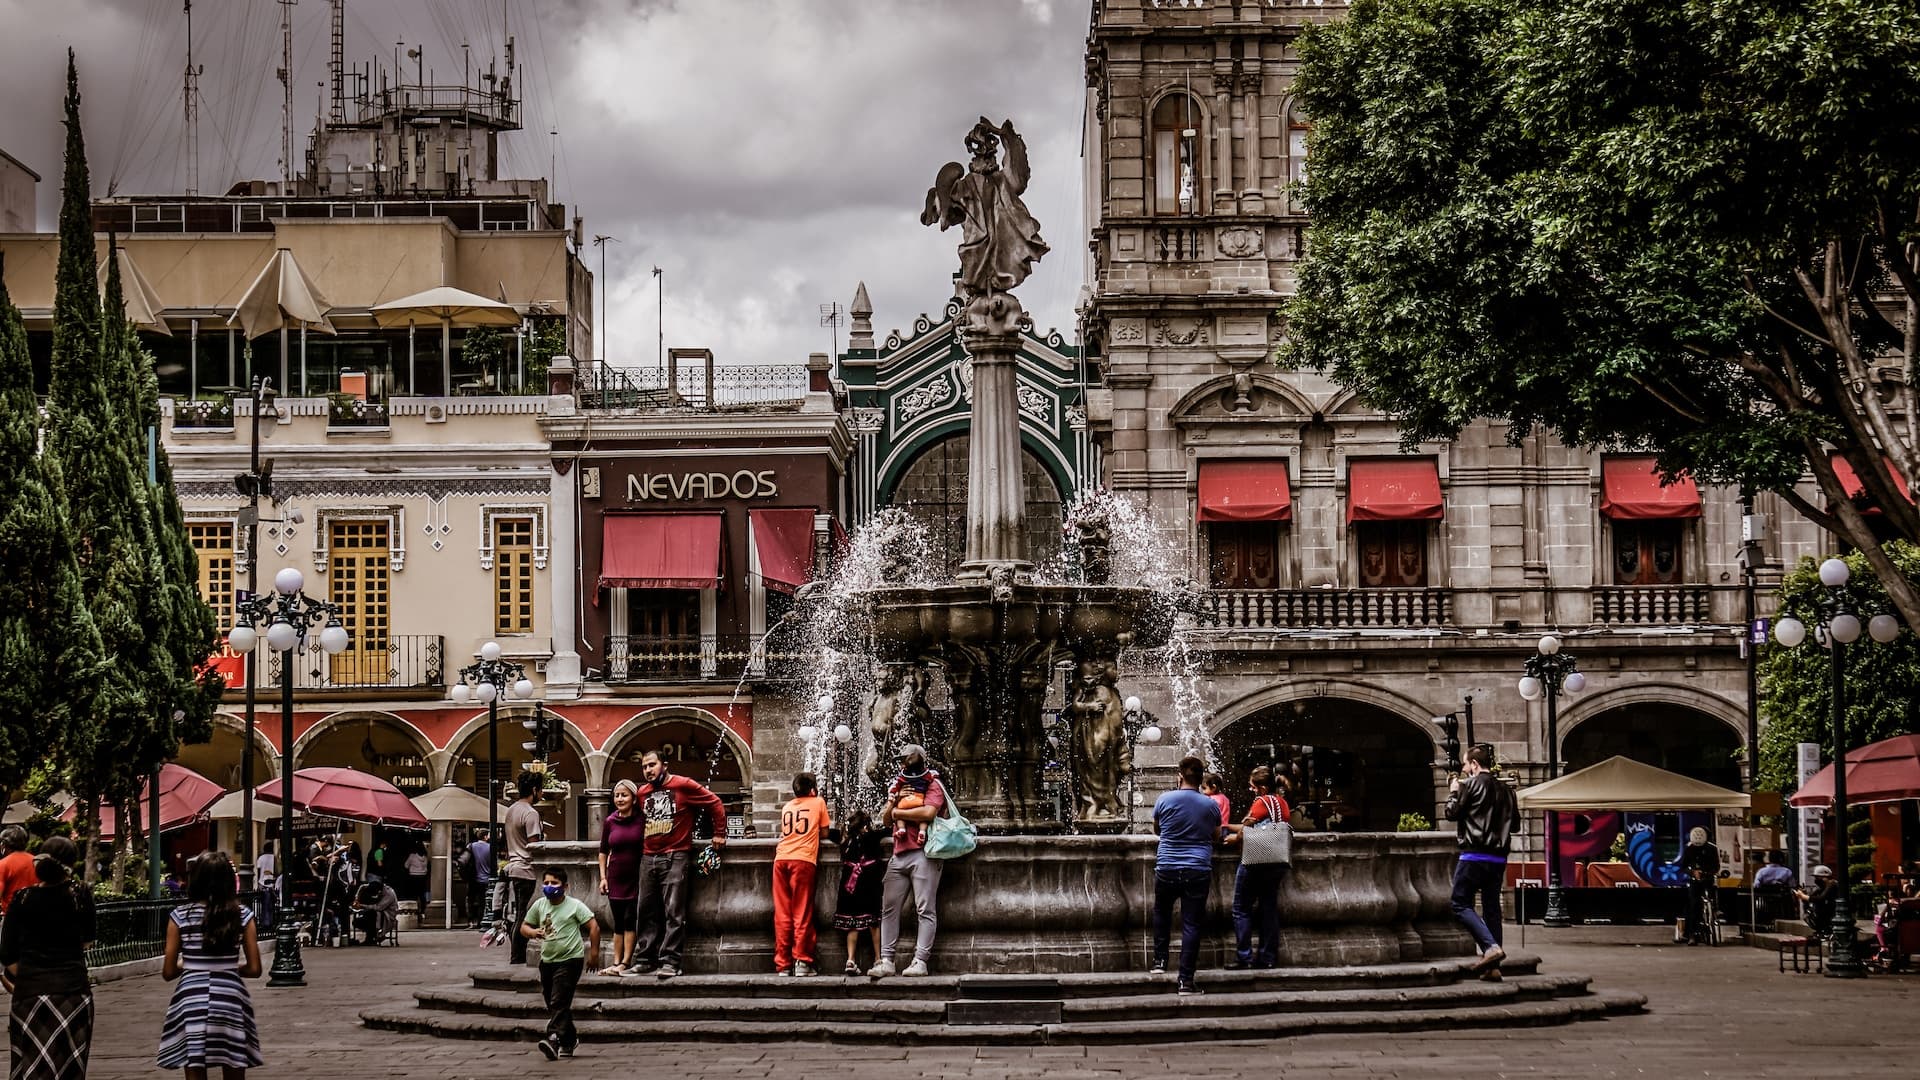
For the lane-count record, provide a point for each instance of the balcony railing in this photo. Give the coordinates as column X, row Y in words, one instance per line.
column 1328, row 609
column 1652, row 605
column 203, row 414
column 603, row 386
column 399, row 662
column 727, row 658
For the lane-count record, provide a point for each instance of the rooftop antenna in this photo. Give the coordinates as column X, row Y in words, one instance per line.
column 337, row 66
column 601, row 243
column 660, row 299
column 191, row 95
column 832, row 315
column 286, row 95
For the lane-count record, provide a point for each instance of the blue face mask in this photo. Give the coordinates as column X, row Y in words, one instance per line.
column 554, row 892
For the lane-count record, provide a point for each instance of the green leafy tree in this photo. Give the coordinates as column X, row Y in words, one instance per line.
column 1680, row 225
column 50, row 653
column 1796, row 685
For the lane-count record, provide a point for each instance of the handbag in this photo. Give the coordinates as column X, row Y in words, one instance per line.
column 1268, row 842
column 950, row 835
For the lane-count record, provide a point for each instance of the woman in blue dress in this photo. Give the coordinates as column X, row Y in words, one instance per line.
column 212, row 949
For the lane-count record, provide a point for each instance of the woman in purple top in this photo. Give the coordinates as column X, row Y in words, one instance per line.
column 622, row 835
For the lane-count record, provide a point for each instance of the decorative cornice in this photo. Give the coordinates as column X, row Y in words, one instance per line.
column 401, row 488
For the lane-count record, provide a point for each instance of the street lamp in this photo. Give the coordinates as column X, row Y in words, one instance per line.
column 1140, row 728
column 288, row 613
column 486, row 680
column 1839, row 626
column 1550, row 673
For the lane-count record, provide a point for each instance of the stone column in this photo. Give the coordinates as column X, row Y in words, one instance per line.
column 599, row 804
column 1252, row 199
column 563, row 669
column 996, row 505
column 1222, row 143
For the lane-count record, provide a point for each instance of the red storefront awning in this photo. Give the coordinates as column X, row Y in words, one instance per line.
column 1253, row 490
column 660, row 551
column 1630, row 490
column 1850, row 481
column 783, row 541
column 1394, row 489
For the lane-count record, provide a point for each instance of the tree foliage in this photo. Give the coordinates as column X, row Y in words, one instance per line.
column 1682, row 225
column 1796, row 685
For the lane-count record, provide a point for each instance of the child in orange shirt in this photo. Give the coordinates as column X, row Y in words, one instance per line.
column 802, row 822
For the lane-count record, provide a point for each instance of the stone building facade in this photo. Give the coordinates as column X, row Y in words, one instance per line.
column 1358, row 592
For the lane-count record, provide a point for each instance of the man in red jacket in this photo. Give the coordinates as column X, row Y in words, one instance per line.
column 668, row 803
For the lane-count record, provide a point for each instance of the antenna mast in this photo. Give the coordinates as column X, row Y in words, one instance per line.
column 337, row 68
column 286, row 95
column 833, row 315
column 190, row 93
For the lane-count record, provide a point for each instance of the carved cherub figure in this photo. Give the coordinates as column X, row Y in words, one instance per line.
column 999, row 240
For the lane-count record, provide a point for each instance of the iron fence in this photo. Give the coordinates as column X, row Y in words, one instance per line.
column 699, row 386
column 395, row 662
column 126, row 930
column 726, row 657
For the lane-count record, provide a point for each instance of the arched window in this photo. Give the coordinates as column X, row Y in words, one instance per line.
column 1297, row 128
column 1176, row 156
column 934, row 491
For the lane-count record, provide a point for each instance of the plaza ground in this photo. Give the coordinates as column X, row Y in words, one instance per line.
column 1711, row 1012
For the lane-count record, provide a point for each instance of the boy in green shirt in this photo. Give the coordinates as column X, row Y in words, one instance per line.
column 554, row 920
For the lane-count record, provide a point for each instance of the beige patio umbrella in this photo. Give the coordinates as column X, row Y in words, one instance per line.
column 143, row 304
column 448, row 803
column 280, row 298
column 451, row 307
column 20, row 812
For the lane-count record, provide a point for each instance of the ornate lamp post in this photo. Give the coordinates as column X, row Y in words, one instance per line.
column 1550, row 673
column 288, row 613
column 1140, row 728
column 1839, row 627
column 487, row 679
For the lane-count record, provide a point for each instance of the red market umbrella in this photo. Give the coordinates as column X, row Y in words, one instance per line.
column 1886, row 771
column 348, row 793
column 184, row 795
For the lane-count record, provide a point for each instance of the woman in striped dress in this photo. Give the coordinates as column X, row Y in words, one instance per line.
column 212, row 947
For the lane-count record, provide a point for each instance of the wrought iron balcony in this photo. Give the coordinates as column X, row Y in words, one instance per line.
column 395, row 662
column 603, row 386
column 1652, row 605
column 727, row 658
column 1329, row 609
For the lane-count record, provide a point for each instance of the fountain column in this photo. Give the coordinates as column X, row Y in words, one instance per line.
column 996, row 498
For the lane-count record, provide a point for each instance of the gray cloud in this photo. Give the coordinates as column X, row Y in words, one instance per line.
column 767, row 154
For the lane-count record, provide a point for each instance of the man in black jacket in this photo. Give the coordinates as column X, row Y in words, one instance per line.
column 1486, row 814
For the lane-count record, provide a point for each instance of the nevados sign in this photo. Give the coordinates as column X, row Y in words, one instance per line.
column 681, row 487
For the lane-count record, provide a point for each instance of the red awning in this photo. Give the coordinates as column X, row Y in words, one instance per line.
column 1850, row 481
column 783, row 540
column 660, row 551
column 1630, row 490
column 1394, row 489
column 1245, row 491
column 184, row 795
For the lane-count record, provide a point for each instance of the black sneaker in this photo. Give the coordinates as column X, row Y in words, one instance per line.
column 566, row 1051
column 551, row 1049
column 1159, row 968
column 1187, row 989
column 1240, row 965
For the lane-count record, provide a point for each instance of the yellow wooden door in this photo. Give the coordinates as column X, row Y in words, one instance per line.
column 358, row 578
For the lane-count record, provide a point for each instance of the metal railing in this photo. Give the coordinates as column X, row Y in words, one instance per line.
column 203, row 414
column 728, row 657
column 397, row 662
column 1652, row 605
column 1321, row 609
column 126, row 930
column 604, row 386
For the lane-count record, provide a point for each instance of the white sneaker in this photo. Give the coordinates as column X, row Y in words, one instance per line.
column 915, row 969
column 802, row 969
column 883, row 969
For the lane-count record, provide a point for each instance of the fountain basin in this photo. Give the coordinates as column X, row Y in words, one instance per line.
column 1060, row 904
column 909, row 623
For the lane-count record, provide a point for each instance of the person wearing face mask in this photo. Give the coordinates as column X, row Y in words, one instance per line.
column 555, row 921
column 914, row 799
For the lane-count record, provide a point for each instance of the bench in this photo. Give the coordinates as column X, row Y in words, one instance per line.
column 1807, row 954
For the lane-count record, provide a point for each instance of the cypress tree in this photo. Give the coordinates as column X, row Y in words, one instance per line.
column 50, row 654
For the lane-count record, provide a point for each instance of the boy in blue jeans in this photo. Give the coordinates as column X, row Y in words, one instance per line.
column 555, row 920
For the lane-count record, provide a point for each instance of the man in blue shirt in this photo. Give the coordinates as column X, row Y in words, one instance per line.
column 1189, row 825
column 480, row 900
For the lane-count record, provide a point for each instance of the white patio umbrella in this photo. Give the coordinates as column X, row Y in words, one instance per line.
column 450, row 306
column 143, row 304
column 451, row 802
column 281, row 297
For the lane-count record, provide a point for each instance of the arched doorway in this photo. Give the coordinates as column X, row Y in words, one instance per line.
column 1353, row 766
column 563, row 818
column 693, row 745
column 1666, row 735
column 934, row 491
column 218, row 759
column 372, row 742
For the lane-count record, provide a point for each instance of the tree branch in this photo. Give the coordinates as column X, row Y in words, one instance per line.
column 1855, row 530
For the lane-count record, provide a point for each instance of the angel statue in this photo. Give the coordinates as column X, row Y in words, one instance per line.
column 999, row 240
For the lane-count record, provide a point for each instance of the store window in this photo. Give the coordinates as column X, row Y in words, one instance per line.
column 1391, row 554
column 513, row 576
column 359, row 579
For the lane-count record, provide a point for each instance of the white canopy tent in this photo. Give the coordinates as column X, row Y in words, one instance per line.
column 1621, row 783
column 449, row 803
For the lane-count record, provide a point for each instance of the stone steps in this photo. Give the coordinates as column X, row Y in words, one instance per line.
column 1068, row 1009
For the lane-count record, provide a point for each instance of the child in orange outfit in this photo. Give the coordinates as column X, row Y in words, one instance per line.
column 802, row 822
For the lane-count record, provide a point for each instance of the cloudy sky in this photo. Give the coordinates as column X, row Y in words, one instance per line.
column 767, row 154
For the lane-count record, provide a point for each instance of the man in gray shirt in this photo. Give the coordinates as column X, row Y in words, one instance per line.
column 523, row 829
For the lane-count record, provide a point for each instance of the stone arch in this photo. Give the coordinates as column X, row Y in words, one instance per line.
column 730, row 775
column 701, row 718
column 1193, row 405
column 219, row 756
column 1033, row 439
column 410, row 741
column 1406, row 708
column 1680, row 729
column 1588, row 706
column 571, row 763
column 519, row 711
column 1348, row 403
